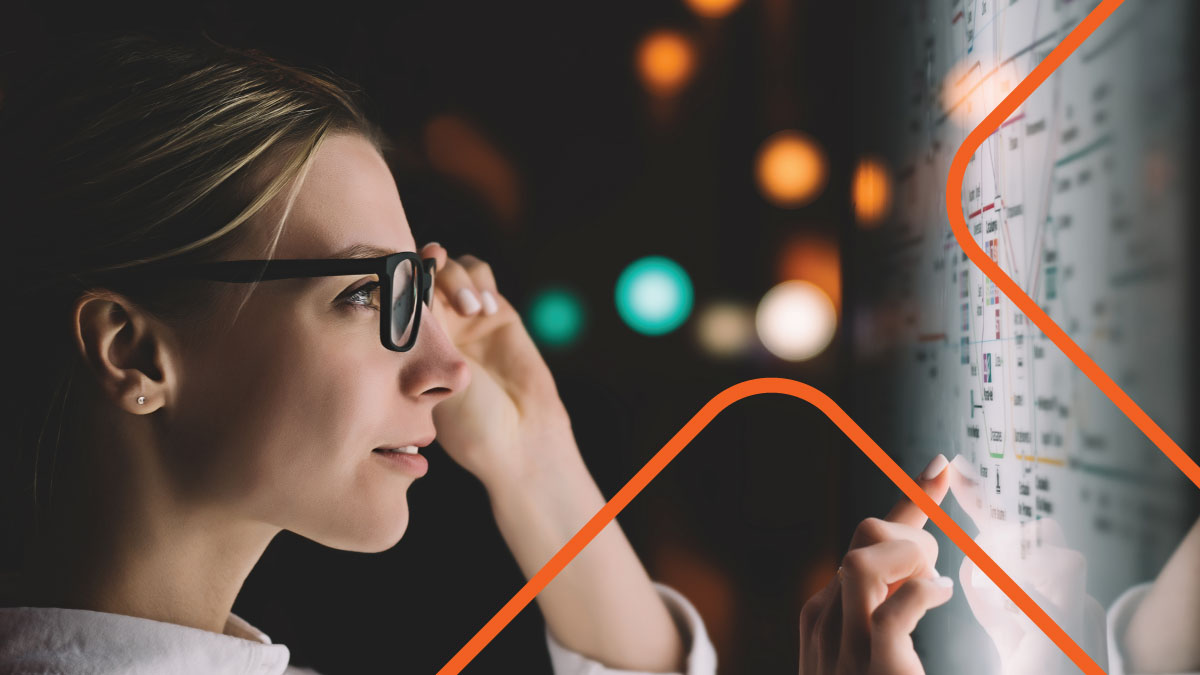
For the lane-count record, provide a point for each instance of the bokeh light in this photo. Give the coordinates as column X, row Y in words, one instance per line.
column 725, row 329
column 958, row 81
column 556, row 316
column 871, row 191
column 814, row 257
column 795, row 320
column 457, row 148
column 654, row 295
column 665, row 61
column 968, row 92
column 790, row 169
column 713, row 9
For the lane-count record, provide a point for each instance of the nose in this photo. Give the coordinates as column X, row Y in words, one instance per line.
column 435, row 369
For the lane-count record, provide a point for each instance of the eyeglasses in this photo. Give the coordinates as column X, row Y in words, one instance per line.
column 403, row 277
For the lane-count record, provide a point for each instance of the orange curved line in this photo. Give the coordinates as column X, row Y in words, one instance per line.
column 881, row 459
column 766, row 385
column 958, row 223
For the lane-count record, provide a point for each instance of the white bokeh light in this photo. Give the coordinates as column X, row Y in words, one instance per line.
column 795, row 320
column 725, row 329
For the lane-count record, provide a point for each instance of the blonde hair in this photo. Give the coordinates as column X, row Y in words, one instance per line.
column 125, row 150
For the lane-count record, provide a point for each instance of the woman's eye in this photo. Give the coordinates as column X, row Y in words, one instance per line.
column 362, row 293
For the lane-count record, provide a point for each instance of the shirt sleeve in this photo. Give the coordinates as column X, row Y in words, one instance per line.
column 1119, row 615
column 701, row 655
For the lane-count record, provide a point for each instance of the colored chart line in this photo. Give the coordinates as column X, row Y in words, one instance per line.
column 958, row 224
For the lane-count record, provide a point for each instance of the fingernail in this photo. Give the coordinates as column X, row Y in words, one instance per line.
column 944, row 582
column 431, row 243
column 467, row 301
column 489, row 302
column 935, row 467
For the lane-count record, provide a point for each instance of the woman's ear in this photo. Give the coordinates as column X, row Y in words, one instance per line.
column 130, row 353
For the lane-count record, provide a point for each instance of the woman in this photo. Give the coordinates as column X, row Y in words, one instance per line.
column 137, row 519
column 129, row 169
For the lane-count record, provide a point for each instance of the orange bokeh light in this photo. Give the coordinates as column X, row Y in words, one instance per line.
column 457, row 148
column 713, row 9
column 871, row 191
column 665, row 61
column 790, row 169
column 815, row 259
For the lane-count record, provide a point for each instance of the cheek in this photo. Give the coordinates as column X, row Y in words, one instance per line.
column 281, row 424
column 334, row 491
column 326, row 415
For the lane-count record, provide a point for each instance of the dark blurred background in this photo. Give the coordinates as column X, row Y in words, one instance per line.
column 562, row 142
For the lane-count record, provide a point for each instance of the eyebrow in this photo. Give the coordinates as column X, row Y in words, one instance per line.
column 362, row 251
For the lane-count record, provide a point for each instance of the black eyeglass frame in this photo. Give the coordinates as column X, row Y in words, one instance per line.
column 252, row 271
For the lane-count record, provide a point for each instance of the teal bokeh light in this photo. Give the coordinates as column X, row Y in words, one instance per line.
column 654, row 295
column 556, row 316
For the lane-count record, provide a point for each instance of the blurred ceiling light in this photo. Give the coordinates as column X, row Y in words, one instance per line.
column 871, row 191
column 815, row 258
column 790, row 169
column 665, row 61
column 960, row 95
column 713, row 9
column 958, row 82
column 455, row 147
column 795, row 320
column 654, row 295
column 556, row 316
column 725, row 329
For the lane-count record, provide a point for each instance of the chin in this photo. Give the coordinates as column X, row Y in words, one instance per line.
column 377, row 536
column 388, row 535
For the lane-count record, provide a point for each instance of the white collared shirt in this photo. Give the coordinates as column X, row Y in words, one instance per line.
column 1119, row 615
column 46, row 640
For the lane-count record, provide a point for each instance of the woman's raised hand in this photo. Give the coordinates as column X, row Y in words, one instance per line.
column 861, row 622
column 510, row 418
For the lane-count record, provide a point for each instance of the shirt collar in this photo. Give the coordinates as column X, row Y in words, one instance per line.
column 54, row 639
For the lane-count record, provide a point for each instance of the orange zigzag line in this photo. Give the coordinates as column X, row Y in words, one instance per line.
column 881, row 459
column 766, row 385
column 958, row 223
column 958, row 168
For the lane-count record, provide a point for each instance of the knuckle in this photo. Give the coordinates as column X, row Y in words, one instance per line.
column 471, row 262
column 911, row 549
column 872, row 529
column 482, row 271
column 857, row 562
column 479, row 270
column 930, row 544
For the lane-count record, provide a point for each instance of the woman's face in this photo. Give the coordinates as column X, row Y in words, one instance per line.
column 275, row 419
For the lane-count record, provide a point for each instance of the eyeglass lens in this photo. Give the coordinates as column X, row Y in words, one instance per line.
column 404, row 302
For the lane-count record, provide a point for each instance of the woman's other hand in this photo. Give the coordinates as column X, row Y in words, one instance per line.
column 862, row 620
column 510, row 418
column 509, row 428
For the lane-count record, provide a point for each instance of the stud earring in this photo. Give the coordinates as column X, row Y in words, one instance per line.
column 141, row 399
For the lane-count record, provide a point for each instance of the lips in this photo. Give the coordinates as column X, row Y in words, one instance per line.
column 407, row 448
